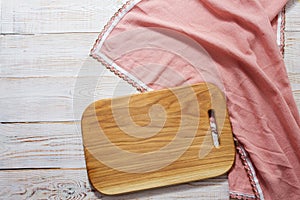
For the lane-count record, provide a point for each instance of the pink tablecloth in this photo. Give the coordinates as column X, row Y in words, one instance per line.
column 155, row 44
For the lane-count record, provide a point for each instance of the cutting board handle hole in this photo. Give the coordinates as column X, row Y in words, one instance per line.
column 213, row 128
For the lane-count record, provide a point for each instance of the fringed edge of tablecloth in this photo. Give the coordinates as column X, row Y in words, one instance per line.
column 102, row 36
column 248, row 166
column 281, row 30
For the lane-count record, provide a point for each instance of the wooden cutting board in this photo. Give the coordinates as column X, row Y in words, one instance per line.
column 157, row 138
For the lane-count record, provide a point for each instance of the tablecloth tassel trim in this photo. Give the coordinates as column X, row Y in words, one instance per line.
column 120, row 74
column 102, row 36
column 250, row 172
column 238, row 195
column 282, row 31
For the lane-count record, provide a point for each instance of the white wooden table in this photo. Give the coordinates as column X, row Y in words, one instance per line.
column 43, row 46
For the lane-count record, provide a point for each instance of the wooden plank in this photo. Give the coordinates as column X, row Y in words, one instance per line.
column 292, row 52
column 22, row 98
column 292, row 47
column 292, row 60
column 292, row 16
column 36, row 99
column 45, row 184
column 40, row 16
column 73, row 184
column 41, row 145
column 56, row 16
column 50, row 55
column 55, row 98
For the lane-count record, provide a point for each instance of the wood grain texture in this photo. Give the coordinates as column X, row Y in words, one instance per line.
column 292, row 16
column 33, row 79
column 292, row 61
column 73, row 184
column 292, row 49
column 45, row 184
column 64, row 55
column 39, row 16
column 52, row 98
column 46, row 55
column 41, row 145
column 131, row 144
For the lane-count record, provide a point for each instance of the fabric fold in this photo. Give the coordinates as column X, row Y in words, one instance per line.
column 154, row 44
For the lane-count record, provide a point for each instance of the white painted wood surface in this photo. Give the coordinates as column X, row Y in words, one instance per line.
column 40, row 55
column 44, row 45
column 56, row 16
column 35, row 99
column 72, row 184
column 293, row 17
column 41, row 145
